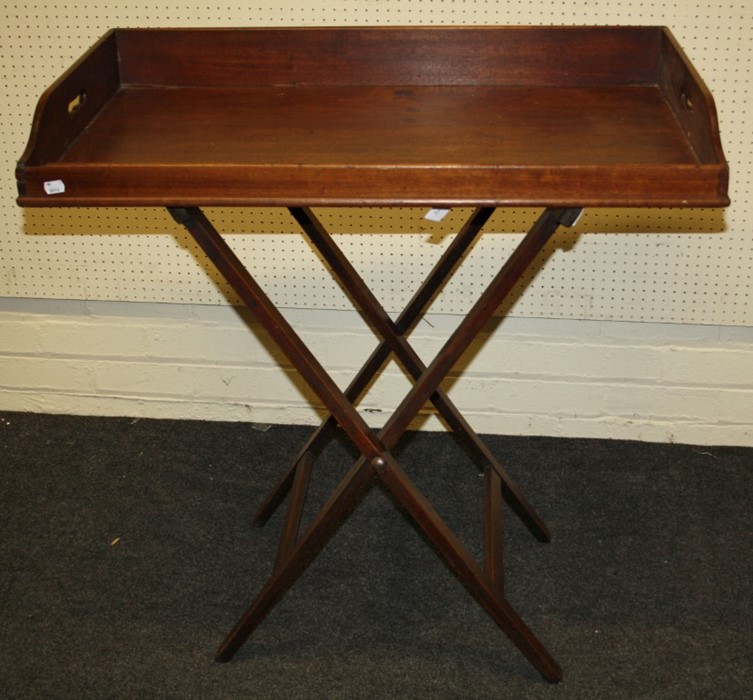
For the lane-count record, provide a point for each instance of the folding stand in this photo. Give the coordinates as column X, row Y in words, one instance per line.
column 484, row 584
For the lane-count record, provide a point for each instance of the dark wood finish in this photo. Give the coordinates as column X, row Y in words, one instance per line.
column 289, row 342
column 93, row 80
column 485, row 591
column 562, row 117
column 474, row 321
column 377, row 317
column 690, row 101
column 406, row 56
column 295, row 507
column 289, row 568
column 435, row 280
column 565, row 116
column 493, row 532
column 376, row 458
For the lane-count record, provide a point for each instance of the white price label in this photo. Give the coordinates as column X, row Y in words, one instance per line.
column 436, row 214
column 54, row 186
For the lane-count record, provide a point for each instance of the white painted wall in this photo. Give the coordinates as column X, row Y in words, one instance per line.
column 655, row 382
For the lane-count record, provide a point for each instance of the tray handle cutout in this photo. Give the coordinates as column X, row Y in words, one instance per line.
column 76, row 103
column 685, row 100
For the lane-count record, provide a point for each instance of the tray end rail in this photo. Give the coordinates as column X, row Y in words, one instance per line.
column 69, row 104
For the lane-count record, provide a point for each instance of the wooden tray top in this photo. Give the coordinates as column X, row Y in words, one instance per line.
column 566, row 116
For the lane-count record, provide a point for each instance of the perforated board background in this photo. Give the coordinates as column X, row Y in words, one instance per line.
column 690, row 266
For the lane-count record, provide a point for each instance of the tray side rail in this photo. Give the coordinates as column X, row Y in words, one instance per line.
column 395, row 56
column 693, row 106
column 66, row 108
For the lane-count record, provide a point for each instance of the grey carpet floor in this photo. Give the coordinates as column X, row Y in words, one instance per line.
column 126, row 556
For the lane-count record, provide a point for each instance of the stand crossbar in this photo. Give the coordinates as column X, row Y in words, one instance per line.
column 404, row 323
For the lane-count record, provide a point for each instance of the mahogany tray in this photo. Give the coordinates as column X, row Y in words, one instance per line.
column 553, row 116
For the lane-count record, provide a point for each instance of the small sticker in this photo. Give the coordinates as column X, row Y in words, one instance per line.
column 54, row 186
column 436, row 214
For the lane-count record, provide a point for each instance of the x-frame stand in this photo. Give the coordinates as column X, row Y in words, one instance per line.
column 484, row 583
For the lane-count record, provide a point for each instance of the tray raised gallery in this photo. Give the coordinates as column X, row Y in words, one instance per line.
column 553, row 116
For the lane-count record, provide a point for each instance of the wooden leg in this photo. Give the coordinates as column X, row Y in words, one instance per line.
column 495, row 293
column 374, row 447
column 479, row 584
column 380, row 320
column 493, row 530
column 438, row 276
column 291, row 566
column 295, row 508
column 281, row 332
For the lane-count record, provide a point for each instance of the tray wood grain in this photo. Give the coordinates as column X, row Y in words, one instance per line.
column 566, row 116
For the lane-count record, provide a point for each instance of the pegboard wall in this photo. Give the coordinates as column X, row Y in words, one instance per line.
column 684, row 266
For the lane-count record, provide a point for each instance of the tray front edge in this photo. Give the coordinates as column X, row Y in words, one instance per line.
column 618, row 186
